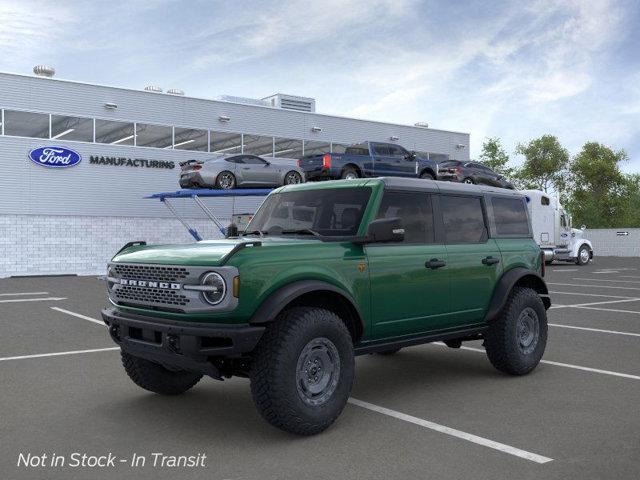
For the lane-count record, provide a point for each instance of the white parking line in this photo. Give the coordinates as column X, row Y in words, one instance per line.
column 563, row 270
column 23, row 293
column 605, row 280
column 16, row 300
column 566, row 365
column 57, row 354
column 589, row 294
column 592, row 286
column 599, row 330
column 606, row 271
column 84, row 317
column 609, row 310
column 628, row 276
column 632, row 299
column 485, row 442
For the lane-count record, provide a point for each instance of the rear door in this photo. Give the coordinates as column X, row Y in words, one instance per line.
column 382, row 159
column 407, row 295
column 474, row 261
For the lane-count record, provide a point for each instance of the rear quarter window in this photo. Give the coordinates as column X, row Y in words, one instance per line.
column 510, row 217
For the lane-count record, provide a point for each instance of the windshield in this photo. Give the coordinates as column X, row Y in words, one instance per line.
column 325, row 212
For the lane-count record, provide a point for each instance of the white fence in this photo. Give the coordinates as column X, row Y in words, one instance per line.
column 614, row 242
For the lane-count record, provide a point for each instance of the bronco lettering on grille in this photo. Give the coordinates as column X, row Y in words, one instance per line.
column 149, row 284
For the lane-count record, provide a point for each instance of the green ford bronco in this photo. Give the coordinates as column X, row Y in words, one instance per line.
column 324, row 272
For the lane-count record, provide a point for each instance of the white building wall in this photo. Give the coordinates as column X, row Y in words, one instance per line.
column 612, row 242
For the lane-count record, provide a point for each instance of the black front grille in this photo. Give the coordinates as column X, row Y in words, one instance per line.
column 150, row 295
column 151, row 273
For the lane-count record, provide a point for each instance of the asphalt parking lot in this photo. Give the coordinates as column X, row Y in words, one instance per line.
column 427, row 412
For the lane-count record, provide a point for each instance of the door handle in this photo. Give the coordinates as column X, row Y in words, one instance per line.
column 246, row 168
column 490, row 260
column 434, row 263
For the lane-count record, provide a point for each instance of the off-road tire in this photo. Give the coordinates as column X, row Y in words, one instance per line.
column 156, row 378
column 579, row 260
column 427, row 176
column 348, row 172
column 502, row 342
column 275, row 363
column 391, row 351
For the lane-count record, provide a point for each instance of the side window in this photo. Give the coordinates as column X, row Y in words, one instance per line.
column 381, row 149
column 414, row 209
column 234, row 160
column 250, row 159
column 510, row 217
column 463, row 219
column 396, row 151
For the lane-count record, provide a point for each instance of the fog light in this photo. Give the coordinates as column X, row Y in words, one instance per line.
column 216, row 288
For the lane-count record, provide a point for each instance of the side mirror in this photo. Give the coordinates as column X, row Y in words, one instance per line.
column 385, row 230
column 231, row 231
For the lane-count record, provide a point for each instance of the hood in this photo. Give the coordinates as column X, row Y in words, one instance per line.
column 206, row 252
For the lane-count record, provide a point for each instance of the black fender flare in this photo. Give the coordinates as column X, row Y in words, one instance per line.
column 277, row 300
column 428, row 169
column 507, row 282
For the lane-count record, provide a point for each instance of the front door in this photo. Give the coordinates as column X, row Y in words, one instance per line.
column 474, row 260
column 409, row 280
column 256, row 171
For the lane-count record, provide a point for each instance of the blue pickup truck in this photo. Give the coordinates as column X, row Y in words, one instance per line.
column 368, row 159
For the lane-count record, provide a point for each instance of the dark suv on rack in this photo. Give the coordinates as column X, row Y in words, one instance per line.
column 326, row 271
column 471, row 172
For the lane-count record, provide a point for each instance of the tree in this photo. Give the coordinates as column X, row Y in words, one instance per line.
column 631, row 215
column 495, row 157
column 600, row 192
column 545, row 164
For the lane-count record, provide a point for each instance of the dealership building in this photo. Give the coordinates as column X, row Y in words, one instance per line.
column 129, row 144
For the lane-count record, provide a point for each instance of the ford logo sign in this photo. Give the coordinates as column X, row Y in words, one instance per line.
column 55, row 157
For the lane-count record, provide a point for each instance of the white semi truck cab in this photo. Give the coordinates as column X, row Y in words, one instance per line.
column 552, row 230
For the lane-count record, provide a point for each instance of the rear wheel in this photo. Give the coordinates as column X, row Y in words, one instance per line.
column 292, row 178
column 516, row 339
column 225, row 180
column 349, row 173
column 156, row 378
column 584, row 255
column 302, row 370
column 427, row 175
column 468, row 180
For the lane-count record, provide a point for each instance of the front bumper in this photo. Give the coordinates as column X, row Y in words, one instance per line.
column 449, row 177
column 183, row 345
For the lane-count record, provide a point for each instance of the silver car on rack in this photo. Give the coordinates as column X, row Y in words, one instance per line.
column 240, row 170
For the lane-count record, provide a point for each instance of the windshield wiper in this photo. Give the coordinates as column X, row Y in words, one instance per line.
column 302, row 231
column 255, row 232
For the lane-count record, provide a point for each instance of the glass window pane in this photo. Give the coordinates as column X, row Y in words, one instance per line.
column 26, row 124
column 258, row 145
column 288, row 148
column 463, row 219
column 115, row 133
column 72, row 128
column 511, row 217
column 190, row 139
column 158, row 136
column 415, row 212
column 338, row 147
column 316, row 148
column 227, row 143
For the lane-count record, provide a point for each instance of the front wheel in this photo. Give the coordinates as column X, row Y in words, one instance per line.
column 156, row 378
column 517, row 338
column 302, row 370
column 427, row 176
column 292, row 178
column 468, row 180
column 225, row 180
column 584, row 255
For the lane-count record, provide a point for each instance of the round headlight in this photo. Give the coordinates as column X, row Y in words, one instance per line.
column 216, row 288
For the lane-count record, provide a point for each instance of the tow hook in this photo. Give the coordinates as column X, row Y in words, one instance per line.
column 172, row 343
column 114, row 331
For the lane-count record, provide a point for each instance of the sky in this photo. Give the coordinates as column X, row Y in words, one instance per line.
column 513, row 70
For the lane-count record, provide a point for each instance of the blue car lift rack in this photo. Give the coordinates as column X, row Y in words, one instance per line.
column 197, row 195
